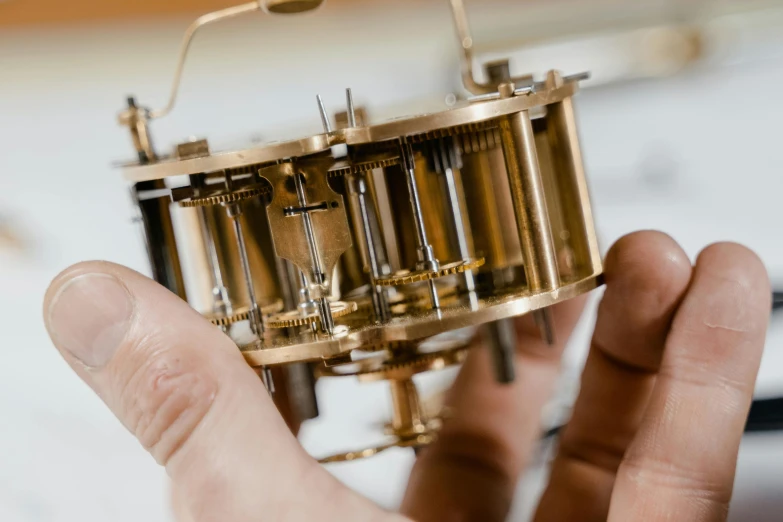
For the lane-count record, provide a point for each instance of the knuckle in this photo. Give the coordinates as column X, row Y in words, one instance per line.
column 165, row 398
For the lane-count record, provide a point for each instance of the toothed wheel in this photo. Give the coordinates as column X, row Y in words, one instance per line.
column 405, row 277
column 357, row 168
column 230, row 197
column 453, row 131
column 243, row 314
column 295, row 317
column 395, row 367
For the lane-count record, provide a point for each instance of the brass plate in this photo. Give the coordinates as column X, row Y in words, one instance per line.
column 462, row 115
column 417, row 325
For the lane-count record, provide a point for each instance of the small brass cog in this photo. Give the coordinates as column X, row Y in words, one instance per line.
column 405, row 277
column 295, row 318
column 243, row 314
column 230, row 197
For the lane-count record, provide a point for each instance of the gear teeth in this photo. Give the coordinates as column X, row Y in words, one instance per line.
column 479, row 141
column 294, row 318
column 366, row 166
column 220, row 199
column 453, row 131
column 423, row 361
column 243, row 314
column 404, row 278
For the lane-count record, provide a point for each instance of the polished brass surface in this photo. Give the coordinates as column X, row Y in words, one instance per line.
column 376, row 250
column 462, row 115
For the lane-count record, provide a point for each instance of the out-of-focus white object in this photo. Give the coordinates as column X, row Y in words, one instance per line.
column 620, row 40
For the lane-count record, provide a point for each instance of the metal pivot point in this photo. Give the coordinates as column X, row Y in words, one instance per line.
column 424, row 251
column 324, row 311
column 324, row 115
column 527, row 194
column 379, row 298
column 350, row 108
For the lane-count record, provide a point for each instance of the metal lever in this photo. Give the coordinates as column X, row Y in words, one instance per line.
column 466, row 43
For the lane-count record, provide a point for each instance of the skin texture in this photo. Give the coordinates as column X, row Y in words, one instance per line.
column 654, row 434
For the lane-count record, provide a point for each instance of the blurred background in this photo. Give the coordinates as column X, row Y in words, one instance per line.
column 680, row 126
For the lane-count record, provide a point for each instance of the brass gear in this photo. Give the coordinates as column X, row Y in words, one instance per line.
column 395, row 367
column 294, row 318
column 453, row 131
column 365, row 166
column 243, row 314
column 230, row 197
column 405, row 369
column 405, row 277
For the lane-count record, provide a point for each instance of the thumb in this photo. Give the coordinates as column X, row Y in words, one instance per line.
column 183, row 389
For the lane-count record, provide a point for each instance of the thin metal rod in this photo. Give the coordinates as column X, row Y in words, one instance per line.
column 380, row 303
column 449, row 160
column 459, row 227
column 502, row 340
column 256, row 321
column 324, row 309
column 318, row 274
column 426, row 256
column 413, row 194
column 200, row 22
column 351, row 110
column 324, row 115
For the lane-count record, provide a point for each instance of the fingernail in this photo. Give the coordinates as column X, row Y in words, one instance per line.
column 89, row 318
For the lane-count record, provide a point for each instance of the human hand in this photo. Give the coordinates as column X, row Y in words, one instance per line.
column 654, row 434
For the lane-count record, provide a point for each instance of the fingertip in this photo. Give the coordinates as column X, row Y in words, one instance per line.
column 72, row 272
column 647, row 276
column 740, row 265
column 653, row 255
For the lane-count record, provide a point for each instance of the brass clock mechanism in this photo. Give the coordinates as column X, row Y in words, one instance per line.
column 376, row 250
